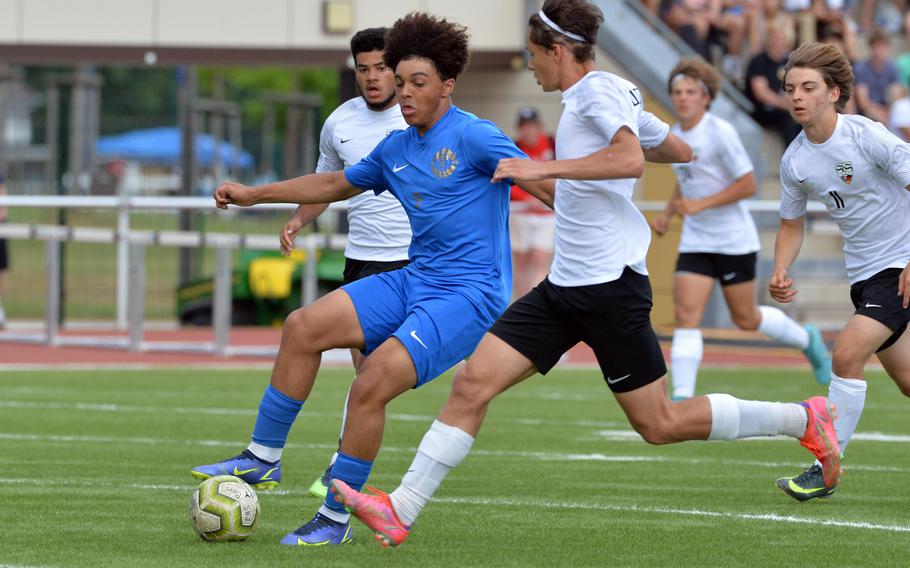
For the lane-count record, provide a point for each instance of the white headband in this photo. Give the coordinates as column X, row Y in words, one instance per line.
column 680, row 76
column 555, row 27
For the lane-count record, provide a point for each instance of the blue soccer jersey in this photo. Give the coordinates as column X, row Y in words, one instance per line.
column 460, row 276
column 458, row 218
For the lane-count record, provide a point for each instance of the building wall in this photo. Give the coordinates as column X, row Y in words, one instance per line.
column 238, row 23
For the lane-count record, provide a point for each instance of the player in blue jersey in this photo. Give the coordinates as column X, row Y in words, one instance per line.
column 413, row 323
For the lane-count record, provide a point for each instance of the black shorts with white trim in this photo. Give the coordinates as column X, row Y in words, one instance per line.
column 612, row 318
column 727, row 268
column 356, row 269
column 876, row 298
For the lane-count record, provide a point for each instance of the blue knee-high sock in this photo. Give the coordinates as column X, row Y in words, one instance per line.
column 277, row 413
column 351, row 470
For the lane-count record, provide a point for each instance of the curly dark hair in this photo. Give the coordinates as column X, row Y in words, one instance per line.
column 367, row 40
column 420, row 35
column 579, row 17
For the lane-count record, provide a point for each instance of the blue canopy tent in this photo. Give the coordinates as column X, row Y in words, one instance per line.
column 162, row 146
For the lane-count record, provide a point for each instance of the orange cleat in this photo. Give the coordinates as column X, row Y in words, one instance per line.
column 821, row 439
column 375, row 511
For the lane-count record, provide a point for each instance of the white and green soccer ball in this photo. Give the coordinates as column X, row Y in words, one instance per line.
column 224, row 508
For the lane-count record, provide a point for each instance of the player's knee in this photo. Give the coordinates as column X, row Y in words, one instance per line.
column 847, row 361
column 685, row 316
column 296, row 324
column 470, row 389
column 656, row 431
column 747, row 321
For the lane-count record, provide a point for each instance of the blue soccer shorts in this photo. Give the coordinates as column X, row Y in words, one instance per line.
column 438, row 325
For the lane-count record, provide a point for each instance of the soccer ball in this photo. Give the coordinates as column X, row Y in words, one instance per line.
column 224, row 508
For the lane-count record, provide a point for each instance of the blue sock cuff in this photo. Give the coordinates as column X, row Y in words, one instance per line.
column 351, row 470
column 277, row 413
column 280, row 396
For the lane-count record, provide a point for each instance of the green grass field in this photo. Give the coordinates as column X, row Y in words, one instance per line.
column 96, row 473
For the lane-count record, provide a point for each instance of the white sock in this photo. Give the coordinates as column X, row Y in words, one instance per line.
column 778, row 326
column 265, row 453
column 336, row 516
column 685, row 357
column 2, row 313
column 732, row 418
column 849, row 395
column 443, row 447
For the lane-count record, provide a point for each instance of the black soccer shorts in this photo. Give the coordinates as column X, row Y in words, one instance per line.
column 876, row 298
column 612, row 318
column 727, row 268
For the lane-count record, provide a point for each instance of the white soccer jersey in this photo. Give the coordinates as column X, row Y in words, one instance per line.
column 860, row 173
column 599, row 231
column 379, row 228
column 718, row 159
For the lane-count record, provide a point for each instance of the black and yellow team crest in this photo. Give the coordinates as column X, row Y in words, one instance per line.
column 444, row 163
column 844, row 171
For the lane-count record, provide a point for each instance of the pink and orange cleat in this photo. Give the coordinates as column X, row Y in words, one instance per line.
column 821, row 439
column 375, row 511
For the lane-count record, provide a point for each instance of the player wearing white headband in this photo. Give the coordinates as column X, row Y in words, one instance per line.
column 719, row 239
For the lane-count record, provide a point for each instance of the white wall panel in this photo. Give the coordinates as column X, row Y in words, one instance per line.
column 9, row 23
column 229, row 23
column 115, row 22
column 494, row 24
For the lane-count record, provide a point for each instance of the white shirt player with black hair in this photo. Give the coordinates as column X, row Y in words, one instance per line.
column 378, row 226
column 718, row 160
column 599, row 231
column 860, row 173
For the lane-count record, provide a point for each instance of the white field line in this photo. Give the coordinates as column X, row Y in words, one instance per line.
column 555, row 505
column 494, row 454
column 610, row 435
column 773, row 517
column 137, row 409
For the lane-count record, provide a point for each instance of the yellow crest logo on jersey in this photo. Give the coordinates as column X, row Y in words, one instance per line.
column 444, row 163
column 844, row 171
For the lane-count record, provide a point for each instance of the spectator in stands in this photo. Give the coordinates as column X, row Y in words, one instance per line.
column 835, row 14
column 764, row 88
column 532, row 224
column 689, row 19
column 729, row 21
column 876, row 78
column 771, row 15
column 4, row 253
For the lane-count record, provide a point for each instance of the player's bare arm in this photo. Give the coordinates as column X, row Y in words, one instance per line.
column 786, row 249
column 544, row 190
column 742, row 188
column 302, row 217
column 309, row 189
column 671, row 151
column 661, row 223
column 622, row 159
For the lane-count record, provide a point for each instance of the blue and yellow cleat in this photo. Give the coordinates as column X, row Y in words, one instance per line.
column 321, row 531
column 260, row 474
column 817, row 354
